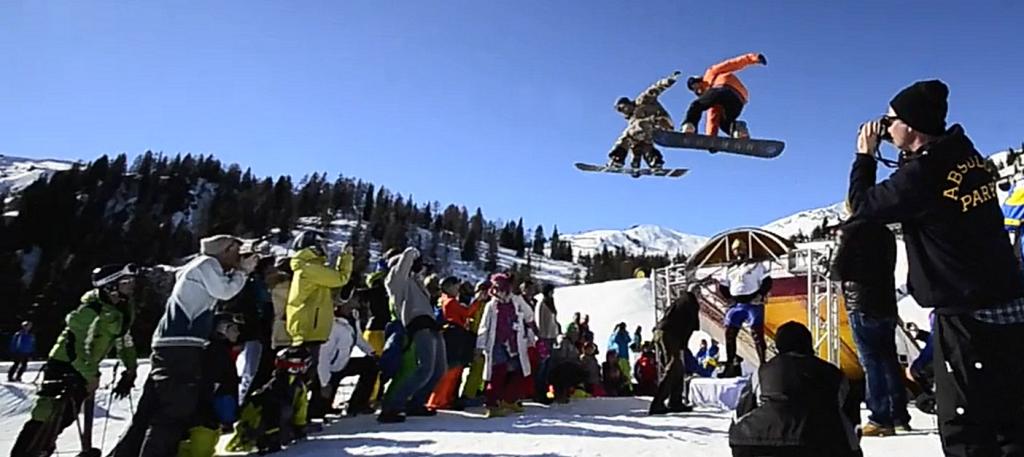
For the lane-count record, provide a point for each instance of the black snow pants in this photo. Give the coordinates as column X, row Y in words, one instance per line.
column 978, row 374
column 726, row 98
column 671, row 384
column 170, row 399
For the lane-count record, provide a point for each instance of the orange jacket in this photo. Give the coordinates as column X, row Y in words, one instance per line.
column 455, row 312
column 721, row 74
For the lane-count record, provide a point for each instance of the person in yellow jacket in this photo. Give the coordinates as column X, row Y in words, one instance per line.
column 722, row 95
column 310, row 309
column 309, row 313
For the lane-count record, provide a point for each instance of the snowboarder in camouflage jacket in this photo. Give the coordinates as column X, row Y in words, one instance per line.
column 643, row 116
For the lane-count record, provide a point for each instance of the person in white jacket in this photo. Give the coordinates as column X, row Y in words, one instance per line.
column 503, row 340
column 337, row 363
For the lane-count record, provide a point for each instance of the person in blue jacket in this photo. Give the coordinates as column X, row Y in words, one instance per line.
column 23, row 345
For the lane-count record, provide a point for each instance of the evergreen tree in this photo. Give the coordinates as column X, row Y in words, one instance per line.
column 538, row 240
column 492, row 252
column 519, row 242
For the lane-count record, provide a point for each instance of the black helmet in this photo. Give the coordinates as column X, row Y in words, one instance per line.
column 111, row 274
column 623, row 101
column 307, row 239
column 449, row 281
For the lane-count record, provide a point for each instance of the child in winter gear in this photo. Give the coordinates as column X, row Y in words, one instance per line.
column 616, row 384
column 71, row 373
column 218, row 409
column 474, row 383
column 503, row 340
column 275, row 414
column 722, row 94
column 564, row 369
column 592, row 369
column 646, row 371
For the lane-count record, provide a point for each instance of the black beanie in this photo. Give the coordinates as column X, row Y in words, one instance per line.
column 923, row 106
column 794, row 337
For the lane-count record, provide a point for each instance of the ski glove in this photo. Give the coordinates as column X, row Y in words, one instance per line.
column 762, row 59
column 124, row 384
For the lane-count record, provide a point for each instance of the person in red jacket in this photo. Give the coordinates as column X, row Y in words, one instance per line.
column 459, row 341
column 722, row 94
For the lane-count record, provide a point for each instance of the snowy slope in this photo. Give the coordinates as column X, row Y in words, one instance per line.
column 17, row 173
column 805, row 221
column 639, row 239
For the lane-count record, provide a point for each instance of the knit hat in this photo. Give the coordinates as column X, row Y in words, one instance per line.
column 794, row 337
column 501, row 282
column 923, row 106
column 217, row 244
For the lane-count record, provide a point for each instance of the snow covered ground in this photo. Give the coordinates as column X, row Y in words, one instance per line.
column 616, row 427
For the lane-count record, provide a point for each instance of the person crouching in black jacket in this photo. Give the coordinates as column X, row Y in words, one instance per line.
column 794, row 406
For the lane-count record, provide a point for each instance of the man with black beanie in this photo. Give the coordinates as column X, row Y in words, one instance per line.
column 960, row 263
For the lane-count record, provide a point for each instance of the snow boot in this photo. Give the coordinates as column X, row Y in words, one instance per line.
column 513, row 407
column 688, row 128
column 873, row 429
column 390, row 417
column 495, row 411
column 657, row 410
column 421, row 411
column 681, row 408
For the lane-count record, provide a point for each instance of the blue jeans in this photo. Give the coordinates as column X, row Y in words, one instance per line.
column 876, row 349
column 431, row 364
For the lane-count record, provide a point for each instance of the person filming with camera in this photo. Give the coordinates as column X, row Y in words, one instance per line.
column 961, row 264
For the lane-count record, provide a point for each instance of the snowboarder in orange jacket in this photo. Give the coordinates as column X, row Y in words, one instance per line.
column 722, row 94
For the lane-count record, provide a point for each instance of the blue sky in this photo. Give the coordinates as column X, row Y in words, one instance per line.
column 488, row 103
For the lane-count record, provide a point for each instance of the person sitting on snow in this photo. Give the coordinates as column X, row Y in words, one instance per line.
column 796, row 405
column 275, row 414
column 337, row 363
column 616, row 383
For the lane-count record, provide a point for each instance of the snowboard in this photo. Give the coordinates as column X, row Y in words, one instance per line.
column 634, row 172
column 765, row 149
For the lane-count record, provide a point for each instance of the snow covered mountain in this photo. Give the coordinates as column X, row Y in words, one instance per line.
column 17, row 173
column 806, row 221
column 639, row 239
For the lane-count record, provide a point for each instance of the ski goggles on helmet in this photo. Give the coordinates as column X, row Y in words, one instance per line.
column 129, row 271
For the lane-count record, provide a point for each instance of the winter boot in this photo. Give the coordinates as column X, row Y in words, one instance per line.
column 513, row 407
column 421, row 411
column 739, row 130
column 390, row 417
column 657, row 410
column 873, row 429
column 495, row 411
column 688, row 128
column 680, row 408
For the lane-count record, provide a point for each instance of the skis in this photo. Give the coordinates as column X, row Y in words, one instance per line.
column 765, row 149
column 634, row 172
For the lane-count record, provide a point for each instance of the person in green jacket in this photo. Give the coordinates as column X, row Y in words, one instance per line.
column 71, row 374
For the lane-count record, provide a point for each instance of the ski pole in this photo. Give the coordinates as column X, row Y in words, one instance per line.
column 110, row 400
